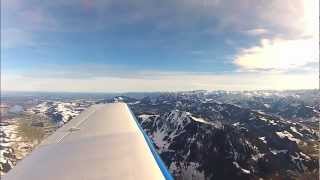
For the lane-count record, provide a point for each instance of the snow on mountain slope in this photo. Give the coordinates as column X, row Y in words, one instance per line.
column 200, row 139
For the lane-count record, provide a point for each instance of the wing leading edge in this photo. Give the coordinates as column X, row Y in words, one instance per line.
column 103, row 142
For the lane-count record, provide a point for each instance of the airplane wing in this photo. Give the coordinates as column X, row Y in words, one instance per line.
column 103, row 142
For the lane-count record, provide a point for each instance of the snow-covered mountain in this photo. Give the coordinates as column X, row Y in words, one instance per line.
column 23, row 125
column 202, row 138
column 199, row 134
column 59, row 111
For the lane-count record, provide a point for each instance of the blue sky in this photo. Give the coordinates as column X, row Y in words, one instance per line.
column 103, row 46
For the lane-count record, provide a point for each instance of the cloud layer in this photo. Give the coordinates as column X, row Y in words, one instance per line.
column 97, row 45
column 168, row 82
column 279, row 55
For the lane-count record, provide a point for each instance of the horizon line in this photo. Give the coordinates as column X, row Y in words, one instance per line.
column 160, row 91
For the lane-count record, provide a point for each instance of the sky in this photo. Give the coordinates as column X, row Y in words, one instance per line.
column 152, row 45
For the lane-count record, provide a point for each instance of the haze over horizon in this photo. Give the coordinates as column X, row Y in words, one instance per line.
column 123, row 46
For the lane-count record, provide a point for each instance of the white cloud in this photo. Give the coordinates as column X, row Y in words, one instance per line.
column 286, row 53
column 257, row 31
column 292, row 43
column 279, row 54
column 163, row 82
column 284, row 18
